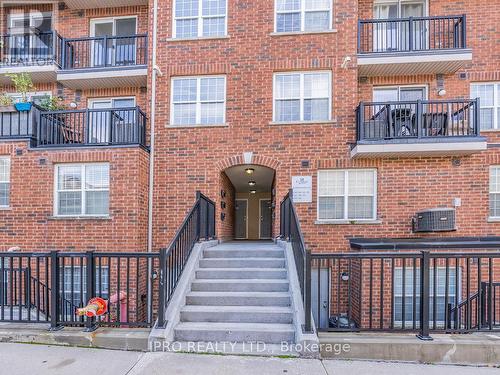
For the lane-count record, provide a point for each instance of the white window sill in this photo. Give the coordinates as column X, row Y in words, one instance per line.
column 81, row 217
column 5, row 208
column 490, row 130
column 291, row 33
column 194, row 126
column 494, row 220
column 347, row 222
column 320, row 122
column 193, row 39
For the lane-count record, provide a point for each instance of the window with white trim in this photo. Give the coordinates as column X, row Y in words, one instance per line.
column 303, row 15
column 441, row 303
column 495, row 192
column 302, row 96
column 82, row 190
column 199, row 18
column 4, row 181
column 489, row 101
column 347, row 194
column 198, row 100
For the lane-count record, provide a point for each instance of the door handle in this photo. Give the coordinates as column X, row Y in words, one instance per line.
column 325, row 304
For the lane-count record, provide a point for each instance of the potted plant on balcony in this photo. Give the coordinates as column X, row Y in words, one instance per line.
column 23, row 85
column 6, row 103
column 52, row 103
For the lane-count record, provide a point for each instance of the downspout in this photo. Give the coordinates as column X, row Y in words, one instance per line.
column 152, row 114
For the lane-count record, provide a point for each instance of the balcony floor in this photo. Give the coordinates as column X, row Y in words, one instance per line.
column 39, row 73
column 404, row 63
column 131, row 76
column 90, row 4
column 451, row 146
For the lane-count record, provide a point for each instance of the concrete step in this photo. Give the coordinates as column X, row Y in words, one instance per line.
column 238, row 298
column 239, row 332
column 238, row 253
column 241, row 273
column 240, row 285
column 237, row 314
column 242, row 263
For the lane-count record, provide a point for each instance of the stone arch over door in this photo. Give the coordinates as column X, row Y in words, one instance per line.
column 248, row 158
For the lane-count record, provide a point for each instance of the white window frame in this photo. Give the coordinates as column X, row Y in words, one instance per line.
column 17, row 96
column 302, row 18
column 490, row 193
column 96, row 21
column 91, row 101
column 432, row 289
column 401, row 2
column 346, row 195
column 301, row 95
column 200, row 19
column 82, row 189
column 198, row 103
column 5, row 157
column 496, row 104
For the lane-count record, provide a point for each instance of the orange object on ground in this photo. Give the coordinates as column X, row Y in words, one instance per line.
column 96, row 307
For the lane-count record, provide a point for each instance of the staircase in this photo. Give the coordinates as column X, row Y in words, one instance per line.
column 240, row 294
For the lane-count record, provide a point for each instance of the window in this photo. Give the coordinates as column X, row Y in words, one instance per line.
column 4, row 181
column 302, row 97
column 198, row 100
column 199, row 18
column 495, row 192
column 347, row 194
column 82, row 189
column 409, row 292
column 303, row 15
column 489, row 100
column 35, row 97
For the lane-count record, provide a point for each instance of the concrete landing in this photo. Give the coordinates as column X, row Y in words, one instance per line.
column 470, row 349
column 103, row 338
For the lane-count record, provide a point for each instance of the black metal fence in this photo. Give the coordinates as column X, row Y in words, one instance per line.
column 34, row 48
column 412, row 34
column 14, row 124
column 198, row 224
column 422, row 292
column 111, row 126
column 48, row 287
column 290, row 230
column 105, row 51
column 418, row 119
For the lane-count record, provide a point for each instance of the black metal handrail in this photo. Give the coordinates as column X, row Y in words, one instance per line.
column 105, row 51
column 412, row 34
column 198, row 224
column 415, row 291
column 31, row 48
column 290, row 230
column 417, row 119
column 110, row 126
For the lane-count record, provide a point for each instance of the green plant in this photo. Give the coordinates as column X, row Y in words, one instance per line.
column 5, row 100
column 22, row 83
column 51, row 103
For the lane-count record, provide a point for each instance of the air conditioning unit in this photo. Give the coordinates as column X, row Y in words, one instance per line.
column 435, row 220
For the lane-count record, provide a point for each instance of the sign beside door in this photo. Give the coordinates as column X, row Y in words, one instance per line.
column 302, row 189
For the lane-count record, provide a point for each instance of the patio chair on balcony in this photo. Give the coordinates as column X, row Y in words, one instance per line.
column 434, row 124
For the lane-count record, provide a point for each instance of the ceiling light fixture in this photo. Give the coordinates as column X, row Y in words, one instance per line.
column 253, row 191
column 249, row 170
column 252, row 183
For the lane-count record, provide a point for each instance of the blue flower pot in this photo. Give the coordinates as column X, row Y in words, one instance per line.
column 23, row 107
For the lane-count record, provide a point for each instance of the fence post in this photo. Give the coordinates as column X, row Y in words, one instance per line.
column 161, row 323
column 54, row 292
column 90, row 323
column 464, row 31
column 424, row 296
column 360, row 25
column 289, row 215
column 198, row 215
column 410, row 34
column 307, row 294
column 477, row 116
column 419, row 113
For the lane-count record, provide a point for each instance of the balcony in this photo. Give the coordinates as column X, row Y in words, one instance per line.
column 74, row 128
column 415, row 45
column 91, row 127
column 37, row 53
column 103, row 62
column 418, row 128
column 90, row 4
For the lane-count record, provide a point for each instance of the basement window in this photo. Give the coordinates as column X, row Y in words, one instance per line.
column 199, row 18
column 82, row 190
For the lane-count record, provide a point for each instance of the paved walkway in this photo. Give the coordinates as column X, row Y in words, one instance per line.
column 21, row 359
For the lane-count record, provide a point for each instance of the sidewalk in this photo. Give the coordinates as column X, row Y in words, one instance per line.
column 21, row 359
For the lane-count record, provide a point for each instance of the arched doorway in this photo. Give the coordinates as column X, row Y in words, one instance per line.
column 248, row 201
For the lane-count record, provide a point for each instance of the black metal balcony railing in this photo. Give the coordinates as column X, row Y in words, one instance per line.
column 34, row 48
column 106, row 51
column 113, row 126
column 411, row 34
column 379, row 121
column 18, row 124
